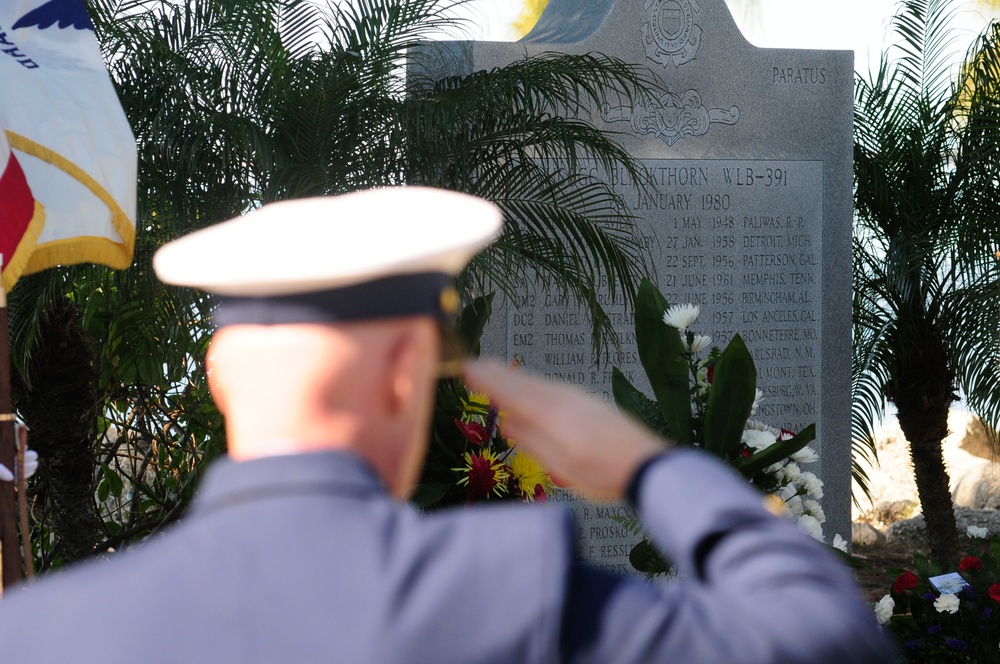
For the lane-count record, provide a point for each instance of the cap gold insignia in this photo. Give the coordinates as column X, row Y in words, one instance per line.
column 449, row 301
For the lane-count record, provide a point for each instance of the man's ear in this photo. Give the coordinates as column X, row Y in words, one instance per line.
column 404, row 360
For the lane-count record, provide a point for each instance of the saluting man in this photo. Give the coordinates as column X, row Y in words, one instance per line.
column 299, row 546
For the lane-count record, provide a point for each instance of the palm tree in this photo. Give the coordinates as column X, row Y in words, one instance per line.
column 235, row 103
column 926, row 305
column 285, row 98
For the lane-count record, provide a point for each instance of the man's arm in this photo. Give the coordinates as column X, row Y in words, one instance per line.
column 751, row 587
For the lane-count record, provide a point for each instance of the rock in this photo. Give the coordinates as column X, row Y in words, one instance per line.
column 907, row 530
column 978, row 488
column 976, row 441
column 865, row 534
column 915, row 530
column 988, row 519
column 891, row 511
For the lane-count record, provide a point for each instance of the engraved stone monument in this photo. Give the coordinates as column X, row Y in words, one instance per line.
column 750, row 150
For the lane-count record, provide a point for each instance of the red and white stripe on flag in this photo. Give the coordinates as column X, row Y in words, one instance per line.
column 21, row 216
column 68, row 133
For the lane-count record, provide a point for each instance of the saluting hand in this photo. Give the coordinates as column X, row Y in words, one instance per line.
column 583, row 441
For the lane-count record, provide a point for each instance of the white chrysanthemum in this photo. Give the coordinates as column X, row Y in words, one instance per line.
column 758, row 440
column 700, row 343
column 811, row 526
column 947, row 603
column 884, row 608
column 681, row 316
column 757, row 425
column 795, row 506
column 789, row 473
column 976, row 532
column 812, row 484
column 805, row 455
column 757, row 398
column 840, row 544
column 813, row 508
column 788, row 492
column 774, row 468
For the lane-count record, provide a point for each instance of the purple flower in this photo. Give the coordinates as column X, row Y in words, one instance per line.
column 930, row 597
column 934, row 629
column 987, row 612
column 913, row 645
column 956, row 644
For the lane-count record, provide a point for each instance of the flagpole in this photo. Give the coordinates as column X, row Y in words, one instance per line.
column 10, row 553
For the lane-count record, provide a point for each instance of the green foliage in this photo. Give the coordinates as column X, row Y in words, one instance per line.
column 730, row 399
column 782, row 449
column 927, row 633
column 472, row 322
column 927, row 226
column 633, row 402
column 720, row 414
column 240, row 102
column 235, row 103
column 695, row 408
column 662, row 357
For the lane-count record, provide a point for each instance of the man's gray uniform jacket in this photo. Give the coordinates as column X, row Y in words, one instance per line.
column 307, row 559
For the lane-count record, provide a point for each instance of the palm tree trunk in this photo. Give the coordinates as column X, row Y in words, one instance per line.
column 60, row 408
column 922, row 390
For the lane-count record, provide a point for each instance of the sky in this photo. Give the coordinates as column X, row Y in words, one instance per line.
column 857, row 25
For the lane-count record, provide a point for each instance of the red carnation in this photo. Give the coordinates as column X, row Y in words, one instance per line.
column 474, row 432
column 995, row 592
column 970, row 564
column 907, row 581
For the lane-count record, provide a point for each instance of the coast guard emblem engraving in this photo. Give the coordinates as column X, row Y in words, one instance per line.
column 671, row 35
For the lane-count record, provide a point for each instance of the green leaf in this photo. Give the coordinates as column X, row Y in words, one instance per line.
column 775, row 453
column 113, row 479
column 425, row 495
column 102, row 490
column 662, row 357
column 645, row 558
column 633, row 402
column 472, row 322
column 730, row 399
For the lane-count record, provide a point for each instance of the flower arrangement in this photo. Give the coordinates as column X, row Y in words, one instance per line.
column 947, row 617
column 470, row 460
column 708, row 402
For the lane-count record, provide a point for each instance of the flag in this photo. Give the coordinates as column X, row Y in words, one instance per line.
column 21, row 216
column 69, row 136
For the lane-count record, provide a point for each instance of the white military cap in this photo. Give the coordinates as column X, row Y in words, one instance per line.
column 369, row 254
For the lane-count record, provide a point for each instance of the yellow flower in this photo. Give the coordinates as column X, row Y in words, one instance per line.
column 530, row 476
column 477, row 406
